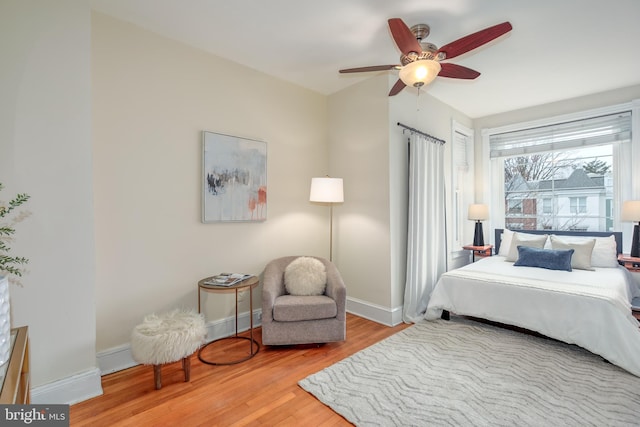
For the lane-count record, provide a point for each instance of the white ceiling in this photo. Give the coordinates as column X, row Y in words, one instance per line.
column 558, row 49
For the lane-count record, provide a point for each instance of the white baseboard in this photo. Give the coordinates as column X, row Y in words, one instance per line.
column 69, row 390
column 376, row 313
column 120, row 358
column 86, row 385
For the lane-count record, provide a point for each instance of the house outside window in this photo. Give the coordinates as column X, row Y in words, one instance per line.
column 561, row 176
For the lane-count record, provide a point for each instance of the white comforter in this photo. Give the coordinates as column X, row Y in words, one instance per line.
column 591, row 309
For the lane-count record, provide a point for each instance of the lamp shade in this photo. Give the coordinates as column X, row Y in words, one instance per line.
column 631, row 211
column 419, row 73
column 478, row 212
column 327, row 190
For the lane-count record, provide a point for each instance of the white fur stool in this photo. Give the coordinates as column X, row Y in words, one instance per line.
column 167, row 338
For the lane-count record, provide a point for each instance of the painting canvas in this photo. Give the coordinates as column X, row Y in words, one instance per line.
column 234, row 178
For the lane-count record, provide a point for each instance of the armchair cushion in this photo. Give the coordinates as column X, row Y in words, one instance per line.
column 292, row 308
column 305, row 276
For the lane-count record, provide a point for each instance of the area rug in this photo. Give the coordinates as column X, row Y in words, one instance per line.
column 465, row 373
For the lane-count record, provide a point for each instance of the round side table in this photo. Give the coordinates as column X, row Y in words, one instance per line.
column 248, row 283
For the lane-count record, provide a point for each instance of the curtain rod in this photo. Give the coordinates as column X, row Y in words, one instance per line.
column 413, row 130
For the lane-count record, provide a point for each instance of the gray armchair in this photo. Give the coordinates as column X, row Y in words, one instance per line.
column 290, row 319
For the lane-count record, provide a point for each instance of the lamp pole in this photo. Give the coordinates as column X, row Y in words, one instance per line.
column 331, row 233
column 327, row 190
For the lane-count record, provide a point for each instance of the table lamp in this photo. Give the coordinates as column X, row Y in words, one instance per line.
column 478, row 213
column 631, row 213
column 327, row 190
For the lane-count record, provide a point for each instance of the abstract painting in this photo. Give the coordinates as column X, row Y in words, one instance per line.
column 234, row 178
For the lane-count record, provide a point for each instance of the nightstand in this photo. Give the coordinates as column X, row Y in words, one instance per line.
column 630, row 263
column 633, row 265
column 479, row 251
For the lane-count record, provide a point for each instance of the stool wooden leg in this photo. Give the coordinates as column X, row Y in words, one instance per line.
column 186, row 365
column 157, row 376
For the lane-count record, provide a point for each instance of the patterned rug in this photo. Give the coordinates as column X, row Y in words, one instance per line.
column 466, row 373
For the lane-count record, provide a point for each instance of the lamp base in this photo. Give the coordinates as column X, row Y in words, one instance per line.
column 478, row 237
column 635, row 244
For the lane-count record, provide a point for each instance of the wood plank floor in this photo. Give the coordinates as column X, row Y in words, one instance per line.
column 258, row 392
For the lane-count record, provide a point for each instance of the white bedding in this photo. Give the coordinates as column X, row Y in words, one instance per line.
column 591, row 309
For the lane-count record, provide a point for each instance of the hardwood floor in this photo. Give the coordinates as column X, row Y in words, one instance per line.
column 260, row 391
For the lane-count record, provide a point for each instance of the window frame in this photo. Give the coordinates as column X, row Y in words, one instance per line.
column 462, row 193
column 577, row 205
column 624, row 156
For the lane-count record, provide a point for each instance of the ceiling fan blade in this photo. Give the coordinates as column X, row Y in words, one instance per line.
column 372, row 68
column 456, row 71
column 475, row 40
column 397, row 88
column 404, row 38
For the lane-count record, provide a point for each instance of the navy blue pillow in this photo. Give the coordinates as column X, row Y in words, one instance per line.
column 544, row 258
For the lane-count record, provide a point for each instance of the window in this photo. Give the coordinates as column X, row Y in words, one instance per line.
column 462, row 185
column 560, row 176
column 578, row 205
column 514, row 206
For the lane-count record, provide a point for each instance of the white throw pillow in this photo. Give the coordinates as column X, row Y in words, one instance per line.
column 505, row 242
column 305, row 276
column 605, row 251
column 524, row 239
column 582, row 251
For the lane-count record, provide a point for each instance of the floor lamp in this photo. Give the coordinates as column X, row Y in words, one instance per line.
column 631, row 213
column 478, row 213
column 327, row 190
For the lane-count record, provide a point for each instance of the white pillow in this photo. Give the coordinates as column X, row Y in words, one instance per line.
column 505, row 242
column 525, row 239
column 305, row 276
column 605, row 251
column 582, row 251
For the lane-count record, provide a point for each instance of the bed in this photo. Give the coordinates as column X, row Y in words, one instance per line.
column 589, row 306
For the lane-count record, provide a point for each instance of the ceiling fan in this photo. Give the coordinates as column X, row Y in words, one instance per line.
column 421, row 61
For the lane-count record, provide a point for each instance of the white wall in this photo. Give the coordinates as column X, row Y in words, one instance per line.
column 359, row 153
column 45, row 151
column 146, row 248
column 369, row 151
column 152, row 98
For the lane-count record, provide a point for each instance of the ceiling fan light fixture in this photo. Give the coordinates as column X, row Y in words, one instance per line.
column 419, row 73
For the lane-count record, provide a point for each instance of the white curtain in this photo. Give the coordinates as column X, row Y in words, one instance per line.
column 426, row 242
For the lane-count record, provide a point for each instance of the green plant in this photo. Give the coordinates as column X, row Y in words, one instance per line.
column 10, row 264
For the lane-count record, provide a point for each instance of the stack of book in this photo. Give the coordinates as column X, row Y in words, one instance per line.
column 226, row 279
